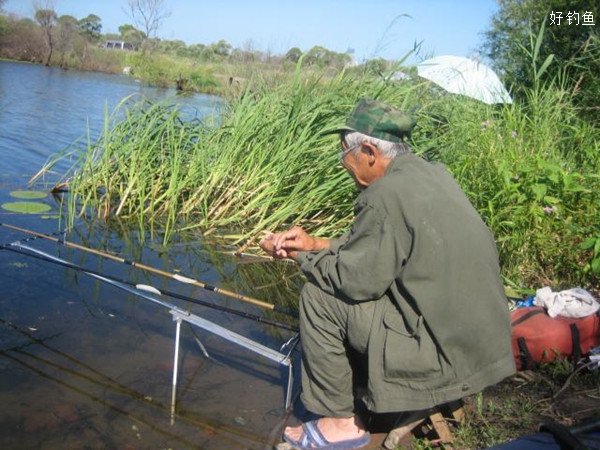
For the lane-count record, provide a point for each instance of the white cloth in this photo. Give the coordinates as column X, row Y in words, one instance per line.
column 572, row 303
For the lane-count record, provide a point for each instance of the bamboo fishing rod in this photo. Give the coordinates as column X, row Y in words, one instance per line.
column 42, row 256
column 180, row 278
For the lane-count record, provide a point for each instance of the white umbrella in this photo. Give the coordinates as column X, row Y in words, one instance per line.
column 466, row 77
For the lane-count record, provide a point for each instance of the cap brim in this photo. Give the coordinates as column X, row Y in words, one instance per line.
column 338, row 130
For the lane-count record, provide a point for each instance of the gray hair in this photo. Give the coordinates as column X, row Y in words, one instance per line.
column 388, row 149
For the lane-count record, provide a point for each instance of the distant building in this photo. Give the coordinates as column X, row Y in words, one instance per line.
column 118, row 45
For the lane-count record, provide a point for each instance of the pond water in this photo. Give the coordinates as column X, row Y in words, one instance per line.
column 84, row 364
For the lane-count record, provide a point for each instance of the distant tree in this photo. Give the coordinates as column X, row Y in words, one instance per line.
column 91, row 26
column 172, row 47
column 342, row 60
column 125, row 28
column 112, row 37
column 376, row 66
column 323, row 57
column 293, row 54
column 195, row 51
column 148, row 15
column 2, row 5
column 131, row 34
column 4, row 24
column 575, row 46
column 66, row 19
column 24, row 40
column 66, row 34
column 318, row 55
column 220, row 48
column 244, row 55
column 46, row 18
column 247, row 53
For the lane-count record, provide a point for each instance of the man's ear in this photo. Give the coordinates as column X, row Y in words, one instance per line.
column 371, row 151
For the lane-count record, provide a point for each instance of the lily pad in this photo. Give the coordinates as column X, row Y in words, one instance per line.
column 27, row 207
column 29, row 195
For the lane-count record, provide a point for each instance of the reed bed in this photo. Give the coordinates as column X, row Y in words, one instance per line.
column 267, row 165
column 530, row 168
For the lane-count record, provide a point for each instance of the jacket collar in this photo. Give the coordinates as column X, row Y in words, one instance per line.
column 398, row 162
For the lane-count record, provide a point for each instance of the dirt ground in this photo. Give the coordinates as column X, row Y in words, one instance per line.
column 518, row 405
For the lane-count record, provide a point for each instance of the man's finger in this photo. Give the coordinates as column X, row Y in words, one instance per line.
column 280, row 239
column 281, row 254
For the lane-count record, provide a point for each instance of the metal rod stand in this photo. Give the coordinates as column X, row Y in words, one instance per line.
column 175, row 366
column 273, row 355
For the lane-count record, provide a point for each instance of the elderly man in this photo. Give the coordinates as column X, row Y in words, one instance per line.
column 413, row 287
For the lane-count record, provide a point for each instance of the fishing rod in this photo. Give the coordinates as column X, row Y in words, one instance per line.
column 180, row 278
column 18, row 248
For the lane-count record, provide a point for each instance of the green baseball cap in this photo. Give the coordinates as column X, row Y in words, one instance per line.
column 378, row 120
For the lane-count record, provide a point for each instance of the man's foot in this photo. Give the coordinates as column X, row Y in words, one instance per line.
column 332, row 429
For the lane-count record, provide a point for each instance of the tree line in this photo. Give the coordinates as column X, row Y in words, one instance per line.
column 66, row 40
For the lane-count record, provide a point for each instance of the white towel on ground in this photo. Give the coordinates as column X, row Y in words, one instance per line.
column 572, row 303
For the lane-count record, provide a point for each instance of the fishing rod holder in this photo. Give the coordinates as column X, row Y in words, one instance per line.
column 282, row 359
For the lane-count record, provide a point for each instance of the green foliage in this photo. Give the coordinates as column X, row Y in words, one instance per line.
column 522, row 171
column 163, row 70
column 29, row 195
column 293, row 54
column 26, row 207
column 593, row 246
column 91, row 26
column 4, row 26
column 574, row 48
column 322, row 57
column 46, row 18
column 75, row 41
column 220, row 48
column 67, row 20
column 377, row 66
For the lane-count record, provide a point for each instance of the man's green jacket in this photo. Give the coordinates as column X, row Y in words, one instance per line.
column 418, row 249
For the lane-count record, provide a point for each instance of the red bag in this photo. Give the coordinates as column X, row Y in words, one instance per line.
column 538, row 338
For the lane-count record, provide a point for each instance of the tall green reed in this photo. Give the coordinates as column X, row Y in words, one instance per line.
column 266, row 166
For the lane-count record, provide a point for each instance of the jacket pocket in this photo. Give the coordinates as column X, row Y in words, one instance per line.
column 408, row 354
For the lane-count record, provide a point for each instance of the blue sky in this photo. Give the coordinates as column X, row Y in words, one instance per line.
column 373, row 28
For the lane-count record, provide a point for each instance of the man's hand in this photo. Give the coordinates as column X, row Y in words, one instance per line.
column 288, row 243
column 268, row 245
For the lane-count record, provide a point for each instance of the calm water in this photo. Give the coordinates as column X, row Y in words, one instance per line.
column 85, row 365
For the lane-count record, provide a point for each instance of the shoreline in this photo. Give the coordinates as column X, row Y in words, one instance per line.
column 219, row 89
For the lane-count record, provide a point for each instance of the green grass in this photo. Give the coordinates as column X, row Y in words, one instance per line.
column 163, row 70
